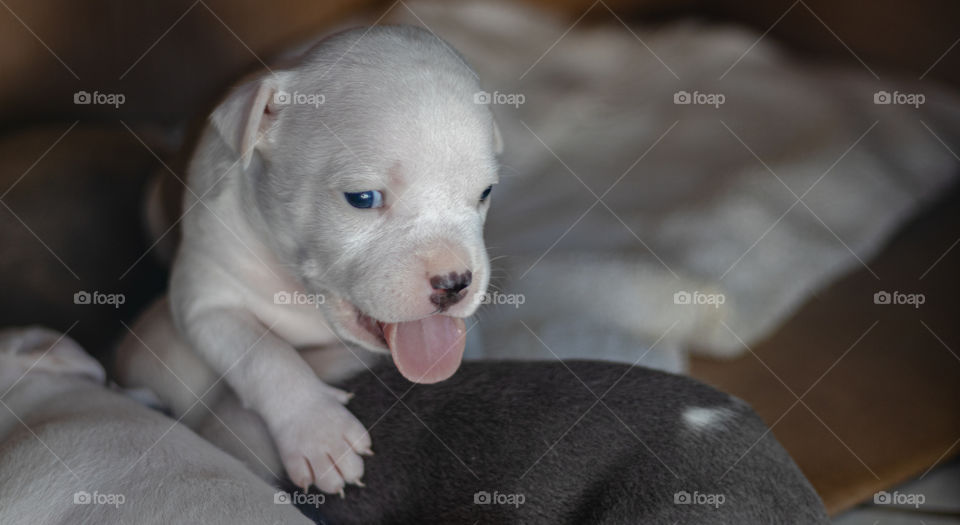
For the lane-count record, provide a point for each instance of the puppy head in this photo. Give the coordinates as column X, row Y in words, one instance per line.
column 370, row 165
column 41, row 350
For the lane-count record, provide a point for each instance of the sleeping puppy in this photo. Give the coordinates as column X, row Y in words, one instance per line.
column 336, row 202
column 72, row 451
column 574, row 442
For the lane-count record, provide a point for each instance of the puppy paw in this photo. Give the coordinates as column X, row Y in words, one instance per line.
column 322, row 445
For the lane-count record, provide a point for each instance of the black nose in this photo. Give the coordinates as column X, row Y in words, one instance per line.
column 447, row 288
column 452, row 283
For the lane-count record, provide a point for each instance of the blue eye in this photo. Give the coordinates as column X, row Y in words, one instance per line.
column 486, row 193
column 365, row 199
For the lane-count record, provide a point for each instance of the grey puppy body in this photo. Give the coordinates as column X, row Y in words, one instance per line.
column 657, row 448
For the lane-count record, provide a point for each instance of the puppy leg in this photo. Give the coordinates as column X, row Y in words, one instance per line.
column 319, row 440
column 152, row 355
column 243, row 433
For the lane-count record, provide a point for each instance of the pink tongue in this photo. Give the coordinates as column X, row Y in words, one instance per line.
column 428, row 350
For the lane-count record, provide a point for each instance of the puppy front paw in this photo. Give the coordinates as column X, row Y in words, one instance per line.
column 321, row 445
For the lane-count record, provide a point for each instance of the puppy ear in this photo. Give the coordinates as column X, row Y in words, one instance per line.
column 497, row 138
column 43, row 350
column 247, row 114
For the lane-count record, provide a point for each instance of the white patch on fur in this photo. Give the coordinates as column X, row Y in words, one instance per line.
column 700, row 418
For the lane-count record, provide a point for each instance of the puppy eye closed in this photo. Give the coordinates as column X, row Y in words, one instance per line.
column 486, row 193
column 365, row 199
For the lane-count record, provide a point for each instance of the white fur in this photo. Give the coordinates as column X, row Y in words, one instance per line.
column 265, row 213
column 64, row 435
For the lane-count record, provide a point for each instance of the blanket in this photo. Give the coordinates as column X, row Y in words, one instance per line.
column 682, row 188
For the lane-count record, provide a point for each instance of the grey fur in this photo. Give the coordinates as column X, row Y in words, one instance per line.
column 501, row 418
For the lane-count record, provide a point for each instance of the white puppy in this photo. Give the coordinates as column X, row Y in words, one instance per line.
column 72, row 451
column 338, row 201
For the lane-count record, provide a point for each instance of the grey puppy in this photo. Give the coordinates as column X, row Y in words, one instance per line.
column 525, row 442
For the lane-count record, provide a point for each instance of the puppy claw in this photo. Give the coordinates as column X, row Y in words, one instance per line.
column 303, row 486
column 321, row 446
column 359, row 443
column 303, row 478
column 341, row 396
column 313, row 476
column 360, row 484
column 342, row 495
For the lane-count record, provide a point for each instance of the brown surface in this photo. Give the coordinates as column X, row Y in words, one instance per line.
column 912, row 36
column 171, row 61
column 919, row 37
column 69, row 221
column 888, row 408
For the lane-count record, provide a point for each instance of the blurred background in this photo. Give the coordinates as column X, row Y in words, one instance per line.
column 100, row 97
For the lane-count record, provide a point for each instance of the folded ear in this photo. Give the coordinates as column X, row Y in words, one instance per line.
column 40, row 349
column 247, row 114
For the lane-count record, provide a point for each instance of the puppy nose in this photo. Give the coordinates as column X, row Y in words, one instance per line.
column 452, row 282
column 447, row 288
